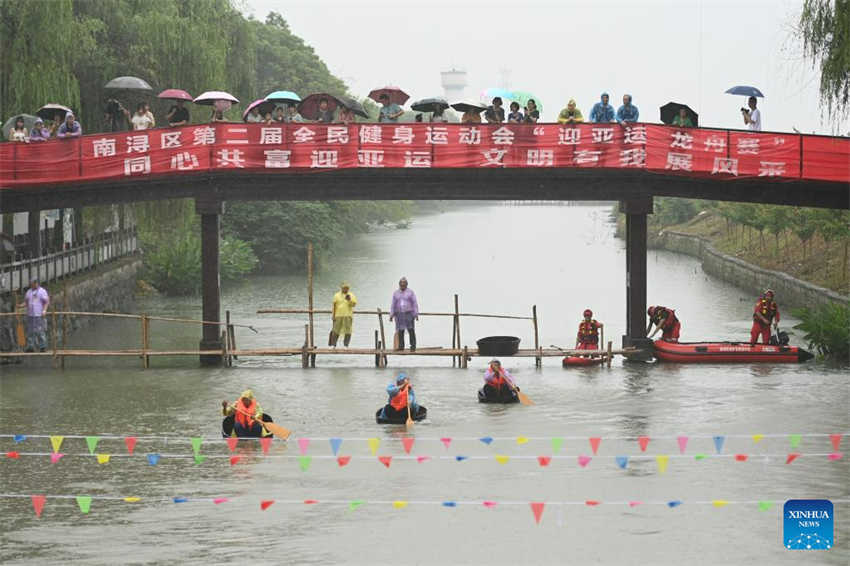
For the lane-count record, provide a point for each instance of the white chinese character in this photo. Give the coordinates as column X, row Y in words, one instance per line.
column 586, row 156
column 184, row 161
column 137, row 144
column 403, row 134
column 541, row 158
column 417, row 158
column 241, row 140
column 748, row 146
column 771, row 168
column 337, row 134
column 569, row 136
column 502, row 136
column 633, row 157
column 716, row 144
column 437, row 135
column 469, row 135
column 271, row 135
column 104, row 147
column 634, row 134
column 679, row 161
column 277, row 158
column 303, row 135
column 204, row 136
column 603, row 135
column 230, row 158
column 539, row 130
column 137, row 165
column 370, row 134
column 168, row 140
column 724, row 165
column 494, row 157
column 682, row 139
column 324, row 158
column 778, row 141
column 370, row 157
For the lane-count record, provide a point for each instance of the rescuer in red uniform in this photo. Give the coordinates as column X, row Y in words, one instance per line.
column 664, row 319
column 588, row 332
column 765, row 312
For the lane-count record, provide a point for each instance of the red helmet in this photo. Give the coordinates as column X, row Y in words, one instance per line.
column 768, row 292
column 650, row 311
column 588, row 312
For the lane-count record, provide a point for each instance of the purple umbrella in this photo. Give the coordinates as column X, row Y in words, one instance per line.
column 175, row 94
column 209, row 98
column 261, row 105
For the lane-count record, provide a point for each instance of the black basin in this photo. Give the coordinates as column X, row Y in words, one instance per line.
column 498, row 346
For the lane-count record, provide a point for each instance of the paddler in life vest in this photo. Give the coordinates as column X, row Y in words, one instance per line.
column 246, row 415
column 497, row 379
column 400, row 394
column 588, row 332
column 765, row 312
column 664, row 319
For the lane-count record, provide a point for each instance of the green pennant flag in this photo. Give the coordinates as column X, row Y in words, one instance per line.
column 304, row 462
column 84, row 502
column 196, row 445
column 199, row 459
column 699, row 457
column 92, row 441
column 355, row 504
column 794, row 439
column 765, row 505
column 556, row 445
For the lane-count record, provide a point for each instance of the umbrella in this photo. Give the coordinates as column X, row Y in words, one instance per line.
column 397, row 96
column 208, row 98
column 48, row 111
column 469, row 107
column 745, row 91
column 29, row 122
column 491, row 93
column 309, row 107
column 671, row 110
column 283, row 96
column 262, row 105
column 128, row 83
column 522, row 97
column 436, row 104
column 175, row 94
column 354, row 106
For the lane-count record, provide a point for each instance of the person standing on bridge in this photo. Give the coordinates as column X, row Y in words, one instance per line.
column 178, row 114
column 628, row 112
column 495, row 113
column 765, row 312
column 602, row 111
column 571, row 114
column 664, row 319
column 752, row 117
column 142, row 119
column 588, row 332
column 36, row 302
column 390, row 111
column 405, row 310
column 70, row 128
column 342, row 313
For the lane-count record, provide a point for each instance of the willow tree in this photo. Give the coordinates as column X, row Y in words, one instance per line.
column 825, row 32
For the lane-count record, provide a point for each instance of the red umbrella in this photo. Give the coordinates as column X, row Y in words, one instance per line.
column 262, row 106
column 309, row 107
column 397, row 96
column 175, row 94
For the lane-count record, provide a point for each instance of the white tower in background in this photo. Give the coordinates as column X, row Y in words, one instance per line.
column 454, row 85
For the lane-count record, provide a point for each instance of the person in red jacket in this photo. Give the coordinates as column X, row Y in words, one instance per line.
column 588, row 332
column 765, row 312
column 665, row 320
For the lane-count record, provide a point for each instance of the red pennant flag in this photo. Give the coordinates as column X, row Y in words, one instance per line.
column 791, row 457
column 130, row 442
column 266, row 443
column 421, row 459
column 220, row 500
column 740, row 457
column 266, row 503
column 591, row 502
column 643, row 441
column 234, row 460
column 446, row 442
column 385, row 460
column 408, row 443
column 232, row 441
column 836, row 441
column 544, row 460
column 38, row 504
column 12, row 454
column 310, row 501
column 537, row 509
column 343, row 460
column 594, row 443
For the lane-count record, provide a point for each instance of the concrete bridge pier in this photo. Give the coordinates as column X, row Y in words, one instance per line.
column 636, row 211
column 210, row 211
column 34, row 232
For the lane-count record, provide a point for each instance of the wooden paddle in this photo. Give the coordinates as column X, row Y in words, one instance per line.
column 273, row 428
column 409, row 422
column 523, row 398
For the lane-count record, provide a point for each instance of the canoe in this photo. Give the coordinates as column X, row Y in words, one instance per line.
column 581, row 361
column 227, row 426
column 504, row 395
column 393, row 417
column 728, row 352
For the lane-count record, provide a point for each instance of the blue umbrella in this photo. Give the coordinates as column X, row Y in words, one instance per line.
column 745, row 91
column 283, row 96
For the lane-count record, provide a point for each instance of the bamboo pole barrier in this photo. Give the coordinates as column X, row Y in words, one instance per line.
column 144, row 333
column 64, row 320
column 465, row 357
column 383, row 363
column 53, row 336
column 304, row 359
column 609, row 354
column 310, row 299
column 231, row 333
column 538, row 362
column 328, row 311
column 377, row 357
column 454, row 340
column 457, row 326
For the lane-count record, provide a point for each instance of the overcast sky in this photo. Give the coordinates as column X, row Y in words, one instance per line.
column 681, row 50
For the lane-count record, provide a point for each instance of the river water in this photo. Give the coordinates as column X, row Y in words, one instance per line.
column 499, row 259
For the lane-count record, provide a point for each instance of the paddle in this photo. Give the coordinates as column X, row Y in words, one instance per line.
column 273, row 428
column 590, row 354
column 409, row 422
column 523, row 398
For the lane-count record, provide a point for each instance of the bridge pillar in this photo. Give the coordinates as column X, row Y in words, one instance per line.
column 636, row 211
column 210, row 211
column 34, row 233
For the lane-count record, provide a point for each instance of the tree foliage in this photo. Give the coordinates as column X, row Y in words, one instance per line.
column 827, row 330
column 825, row 31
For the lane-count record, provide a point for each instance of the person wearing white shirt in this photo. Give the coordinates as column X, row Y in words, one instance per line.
column 752, row 117
column 142, row 119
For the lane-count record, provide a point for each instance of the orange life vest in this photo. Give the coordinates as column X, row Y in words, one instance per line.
column 668, row 314
column 497, row 381
column 244, row 420
column 399, row 402
column 767, row 308
column 589, row 331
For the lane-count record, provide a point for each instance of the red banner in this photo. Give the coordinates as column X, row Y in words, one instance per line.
column 719, row 154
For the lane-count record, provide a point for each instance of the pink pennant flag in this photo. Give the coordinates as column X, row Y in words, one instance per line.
column 266, row 442
column 55, row 457
column 592, row 502
column 343, row 460
column 407, row 442
column 791, row 457
column 38, row 504
column 634, row 503
column 740, row 457
column 12, row 454
column 835, row 456
column 544, row 460
column 303, row 443
column 446, row 442
column 537, row 509
column 421, row 459
column 489, row 504
column 220, row 500
column 594, row 443
column 385, row 460
column 232, row 441
column 584, row 461
column 643, row 441
column 266, row 503
column 683, row 443
column 130, row 442
column 836, row 441
column 234, row 460
column 310, row 501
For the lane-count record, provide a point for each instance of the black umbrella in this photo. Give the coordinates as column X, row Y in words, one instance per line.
column 671, row 110
column 128, row 83
column 435, row 104
column 353, row 105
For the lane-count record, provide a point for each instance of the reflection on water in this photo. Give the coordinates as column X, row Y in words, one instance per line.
column 498, row 259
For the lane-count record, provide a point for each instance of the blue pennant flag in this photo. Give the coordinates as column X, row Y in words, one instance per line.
column 335, row 444
column 674, row 503
column 180, row 500
column 20, row 438
column 622, row 461
column 486, row 439
column 461, row 458
column 153, row 459
column 718, row 443
column 449, row 504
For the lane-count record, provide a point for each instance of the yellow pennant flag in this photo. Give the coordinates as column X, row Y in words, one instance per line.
column 502, row 459
column 132, row 499
column 720, row 503
column 521, row 439
column 757, row 438
column 102, row 458
column 373, row 445
column 399, row 504
column 56, row 442
column 662, row 463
